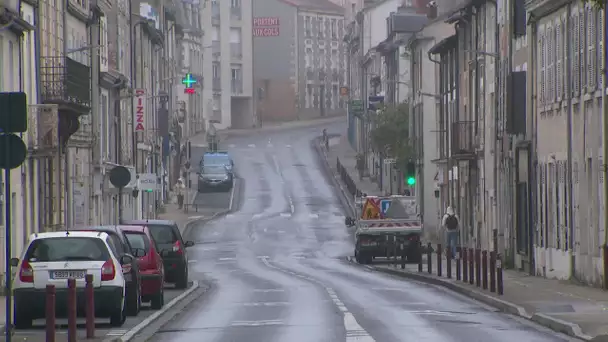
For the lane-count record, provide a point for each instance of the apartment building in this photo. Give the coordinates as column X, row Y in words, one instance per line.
column 428, row 125
column 228, row 60
column 566, row 39
column 17, row 75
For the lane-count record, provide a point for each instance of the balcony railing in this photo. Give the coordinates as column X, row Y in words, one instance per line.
column 217, row 83
column 65, row 81
column 236, row 50
column 463, row 138
column 236, row 13
column 237, row 87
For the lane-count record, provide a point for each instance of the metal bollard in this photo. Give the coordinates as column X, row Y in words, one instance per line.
column 478, row 267
column 439, row 268
column 448, row 260
column 420, row 258
column 90, row 306
column 499, row 284
column 402, row 256
column 458, row 258
column 50, row 313
column 492, row 271
column 484, row 270
column 471, row 266
column 72, row 310
column 395, row 260
column 429, row 258
column 465, row 264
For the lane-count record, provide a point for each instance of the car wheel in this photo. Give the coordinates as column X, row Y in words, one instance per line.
column 118, row 317
column 158, row 300
column 134, row 302
column 182, row 282
column 22, row 320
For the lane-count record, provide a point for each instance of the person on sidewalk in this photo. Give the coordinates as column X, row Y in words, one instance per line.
column 360, row 165
column 451, row 223
column 180, row 189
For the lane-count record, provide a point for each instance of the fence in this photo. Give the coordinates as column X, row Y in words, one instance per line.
column 347, row 180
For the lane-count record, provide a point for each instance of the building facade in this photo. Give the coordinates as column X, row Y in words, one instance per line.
column 299, row 59
column 565, row 38
column 228, row 62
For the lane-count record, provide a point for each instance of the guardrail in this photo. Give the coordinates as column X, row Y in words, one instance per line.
column 347, row 180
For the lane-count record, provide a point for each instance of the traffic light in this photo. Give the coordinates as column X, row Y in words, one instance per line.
column 410, row 173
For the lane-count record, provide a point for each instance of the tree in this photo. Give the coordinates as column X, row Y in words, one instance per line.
column 391, row 134
column 597, row 3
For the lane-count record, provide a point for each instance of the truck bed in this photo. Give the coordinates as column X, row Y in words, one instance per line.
column 390, row 226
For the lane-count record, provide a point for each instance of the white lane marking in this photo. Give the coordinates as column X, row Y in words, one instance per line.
column 285, row 214
column 265, row 230
column 268, row 290
column 257, row 216
column 266, row 304
column 263, row 257
column 153, row 317
column 195, row 217
column 226, row 259
column 192, row 261
column 288, row 146
column 116, row 332
column 291, row 206
column 232, row 145
column 256, row 323
column 234, row 184
column 251, row 145
column 315, row 216
column 230, row 216
column 354, row 331
column 281, row 231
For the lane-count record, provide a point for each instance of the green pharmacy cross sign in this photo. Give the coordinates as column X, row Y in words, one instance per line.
column 189, row 82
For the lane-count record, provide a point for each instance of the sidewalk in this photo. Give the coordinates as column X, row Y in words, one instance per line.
column 276, row 126
column 578, row 311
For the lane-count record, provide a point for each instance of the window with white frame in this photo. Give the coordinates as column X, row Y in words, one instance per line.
column 591, row 46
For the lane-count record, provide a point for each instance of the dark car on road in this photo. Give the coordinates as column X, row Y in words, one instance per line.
column 131, row 272
column 172, row 248
column 214, row 177
column 216, row 159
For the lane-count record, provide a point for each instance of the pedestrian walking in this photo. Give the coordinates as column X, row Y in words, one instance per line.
column 180, row 189
column 451, row 223
column 326, row 139
column 360, row 165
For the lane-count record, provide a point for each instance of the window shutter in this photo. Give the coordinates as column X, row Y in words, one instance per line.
column 591, row 76
column 576, row 52
column 550, row 64
column 541, row 62
column 600, row 47
column 582, row 79
column 558, row 61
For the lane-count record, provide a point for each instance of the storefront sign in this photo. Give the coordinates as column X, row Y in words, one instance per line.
column 139, row 103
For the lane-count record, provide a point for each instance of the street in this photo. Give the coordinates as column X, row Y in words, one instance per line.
column 277, row 266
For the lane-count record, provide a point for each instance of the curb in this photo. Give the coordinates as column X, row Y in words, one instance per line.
column 153, row 317
column 555, row 324
column 336, row 179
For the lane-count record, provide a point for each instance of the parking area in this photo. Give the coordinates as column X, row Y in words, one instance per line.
column 103, row 330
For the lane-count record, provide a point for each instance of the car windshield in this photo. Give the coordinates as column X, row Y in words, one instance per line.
column 162, row 234
column 138, row 240
column 215, row 159
column 214, row 169
column 67, row 249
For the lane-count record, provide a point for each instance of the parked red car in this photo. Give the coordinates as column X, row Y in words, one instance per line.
column 150, row 265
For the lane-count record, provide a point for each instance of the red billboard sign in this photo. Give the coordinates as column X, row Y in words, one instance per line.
column 266, row 27
column 265, row 21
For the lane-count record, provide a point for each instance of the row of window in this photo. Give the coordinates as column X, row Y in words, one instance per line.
column 323, row 27
column 236, row 71
column 316, row 94
column 583, row 41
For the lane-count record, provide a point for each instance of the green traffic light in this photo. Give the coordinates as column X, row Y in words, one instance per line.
column 411, row 181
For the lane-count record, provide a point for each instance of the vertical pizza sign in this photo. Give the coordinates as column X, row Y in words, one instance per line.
column 139, row 103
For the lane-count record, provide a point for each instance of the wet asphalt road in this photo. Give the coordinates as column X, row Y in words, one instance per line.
column 278, row 272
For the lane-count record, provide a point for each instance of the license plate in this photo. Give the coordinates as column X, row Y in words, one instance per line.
column 372, row 243
column 68, row 274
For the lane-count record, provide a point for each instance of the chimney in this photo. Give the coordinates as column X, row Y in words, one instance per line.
column 431, row 11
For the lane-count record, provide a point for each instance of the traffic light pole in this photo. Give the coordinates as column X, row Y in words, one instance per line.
column 7, row 242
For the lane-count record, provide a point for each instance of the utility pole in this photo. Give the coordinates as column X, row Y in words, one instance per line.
column 605, row 157
column 94, row 53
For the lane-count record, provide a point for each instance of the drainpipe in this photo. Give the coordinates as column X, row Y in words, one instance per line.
column 569, row 161
column 605, row 161
column 95, row 35
column 64, row 174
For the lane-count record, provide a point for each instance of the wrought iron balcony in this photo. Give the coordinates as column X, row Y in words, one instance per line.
column 65, row 82
column 463, row 139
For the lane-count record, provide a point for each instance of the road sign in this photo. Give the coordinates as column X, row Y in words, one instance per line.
column 13, row 112
column 120, row 176
column 148, row 182
column 356, row 107
column 384, row 205
column 16, row 153
column 371, row 210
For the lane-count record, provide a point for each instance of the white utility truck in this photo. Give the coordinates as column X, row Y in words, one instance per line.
column 384, row 225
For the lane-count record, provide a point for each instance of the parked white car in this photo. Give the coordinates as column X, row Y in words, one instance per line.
column 53, row 258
